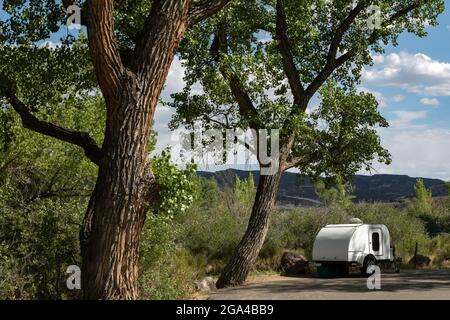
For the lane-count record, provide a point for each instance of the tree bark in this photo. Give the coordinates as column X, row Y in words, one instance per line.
column 125, row 186
column 246, row 253
column 116, row 214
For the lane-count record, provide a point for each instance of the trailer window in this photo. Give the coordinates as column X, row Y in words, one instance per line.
column 375, row 241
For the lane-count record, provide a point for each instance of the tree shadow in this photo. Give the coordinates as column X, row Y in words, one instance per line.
column 420, row 280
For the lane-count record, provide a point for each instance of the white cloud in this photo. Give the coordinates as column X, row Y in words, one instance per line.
column 382, row 99
column 406, row 119
column 415, row 73
column 417, row 152
column 174, row 83
column 430, row 102
column 378, row 59
column 50, row 44
column 399, row 98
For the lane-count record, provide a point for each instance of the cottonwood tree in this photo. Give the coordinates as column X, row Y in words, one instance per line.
column 262, row 63
column 131, row 46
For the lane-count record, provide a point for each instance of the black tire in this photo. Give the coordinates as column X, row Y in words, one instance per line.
column 368, row 262
column 345, row 270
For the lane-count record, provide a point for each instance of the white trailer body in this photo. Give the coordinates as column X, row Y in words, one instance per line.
column 353, row 244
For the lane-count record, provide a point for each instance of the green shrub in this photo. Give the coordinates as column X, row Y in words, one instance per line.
column 39, row 241
column 165, row 272
column 440, row 250
column 296, row 229
column 210, row 231
column 15, row 283
column 209, row 235
column 424, row 199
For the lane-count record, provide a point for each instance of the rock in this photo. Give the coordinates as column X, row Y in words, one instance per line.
column 293, row 264
column 446, row 263
column 205, row 285
column 422, row 261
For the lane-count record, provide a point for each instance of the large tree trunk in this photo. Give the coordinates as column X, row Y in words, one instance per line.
column 236, row 272
column 125, row 186
column 112, row 227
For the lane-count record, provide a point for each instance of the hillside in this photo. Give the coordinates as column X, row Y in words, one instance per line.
column 376, row 188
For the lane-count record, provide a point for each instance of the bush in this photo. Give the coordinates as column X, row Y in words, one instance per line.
column 440, row 250
column 424, row 199
column 210, row 236
column 212, row 228
column 15, row 283
column 38, row 242
column 165, row 272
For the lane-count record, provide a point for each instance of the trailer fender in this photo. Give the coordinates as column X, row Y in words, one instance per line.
column 360, row 258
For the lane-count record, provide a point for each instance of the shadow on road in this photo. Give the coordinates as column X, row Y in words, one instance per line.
column 407, row 281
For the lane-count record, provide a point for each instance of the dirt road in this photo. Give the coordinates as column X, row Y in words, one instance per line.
column 423, row 284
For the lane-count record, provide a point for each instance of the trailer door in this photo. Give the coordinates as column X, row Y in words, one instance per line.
column 376, row 242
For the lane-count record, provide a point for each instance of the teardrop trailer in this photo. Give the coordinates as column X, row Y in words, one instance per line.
column 339, row 247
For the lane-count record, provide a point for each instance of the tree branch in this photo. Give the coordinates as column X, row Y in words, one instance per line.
column 245, row 103
column 204, row 9
column 158, row 41
column 104, row 49
column 293, row 162
column 332, row 62
column 399, row 14
column 341, row 30
column 288, row 60
column 29, row 121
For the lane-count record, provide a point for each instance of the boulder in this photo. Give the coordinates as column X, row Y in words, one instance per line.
column 205, row 285
column 422, row 261
column 293, row 264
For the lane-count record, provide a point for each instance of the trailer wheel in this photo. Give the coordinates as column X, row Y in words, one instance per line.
column 368, row 262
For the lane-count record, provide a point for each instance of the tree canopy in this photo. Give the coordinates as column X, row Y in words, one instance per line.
column 264, row 64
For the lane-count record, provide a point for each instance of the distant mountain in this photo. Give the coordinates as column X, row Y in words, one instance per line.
column 377, row 188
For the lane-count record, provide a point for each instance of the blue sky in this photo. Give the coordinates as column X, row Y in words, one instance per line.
column 437, row 47
column 412, row 84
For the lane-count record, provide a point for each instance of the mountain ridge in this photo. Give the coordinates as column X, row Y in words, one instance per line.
column 377, row 188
